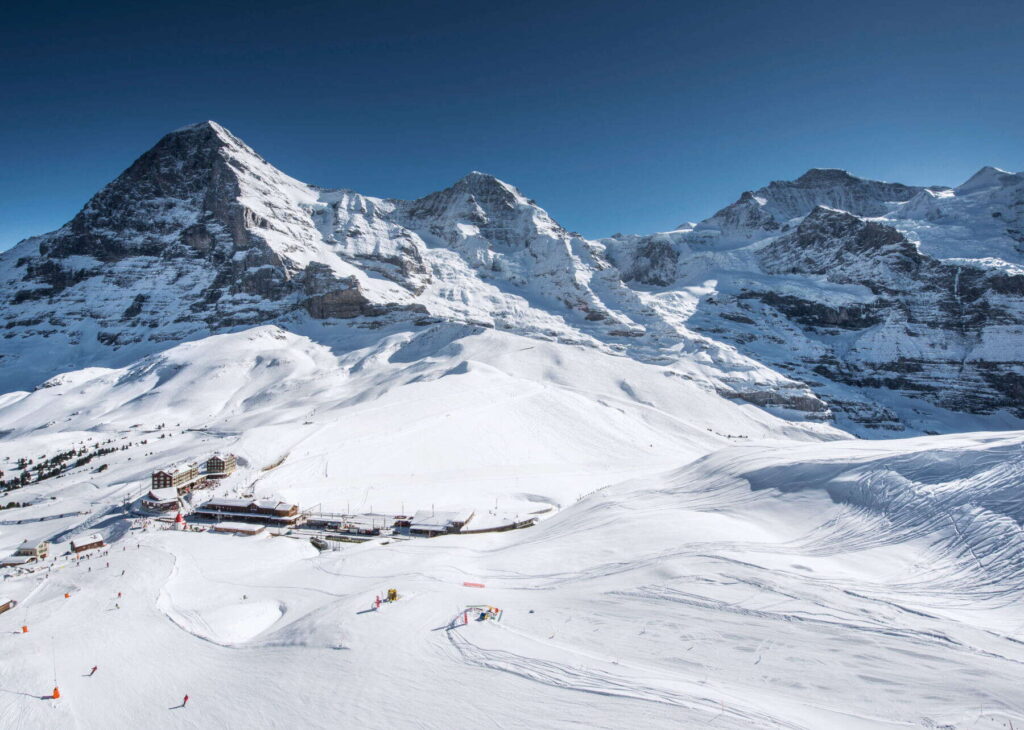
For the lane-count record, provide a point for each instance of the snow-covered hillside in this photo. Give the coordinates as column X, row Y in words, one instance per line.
column 849, row 584
column 462, row 412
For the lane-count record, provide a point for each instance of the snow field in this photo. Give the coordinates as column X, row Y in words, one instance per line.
column 728, row 591
column 698, row 562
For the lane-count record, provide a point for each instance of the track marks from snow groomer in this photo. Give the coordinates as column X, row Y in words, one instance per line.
column 630, row 682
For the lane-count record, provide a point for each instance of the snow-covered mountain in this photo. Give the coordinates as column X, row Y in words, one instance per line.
column 765, row 211
column 829, row 297
column 887, row 300
column 712, row 546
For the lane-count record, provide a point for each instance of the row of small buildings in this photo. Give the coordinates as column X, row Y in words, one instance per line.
column 425, row 523
column 35, row 552
column 273, row 513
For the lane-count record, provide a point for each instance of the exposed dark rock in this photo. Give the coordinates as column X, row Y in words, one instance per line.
column 653, row 263
column 815, row 314
column 135, row 308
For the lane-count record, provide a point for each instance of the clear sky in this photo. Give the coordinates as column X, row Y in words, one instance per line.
column 631, row 116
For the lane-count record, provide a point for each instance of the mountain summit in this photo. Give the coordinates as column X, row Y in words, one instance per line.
column 768, row 209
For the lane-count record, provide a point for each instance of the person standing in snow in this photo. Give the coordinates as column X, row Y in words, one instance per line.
column 184, row 701
column 93, row 671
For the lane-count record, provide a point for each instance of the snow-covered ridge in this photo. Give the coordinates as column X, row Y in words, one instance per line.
column 768, row 209
column 202, row 235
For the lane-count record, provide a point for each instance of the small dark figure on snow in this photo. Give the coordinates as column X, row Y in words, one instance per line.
column 184, row 701
column 93, row 671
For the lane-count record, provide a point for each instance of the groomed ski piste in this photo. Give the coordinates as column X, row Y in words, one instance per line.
column 698, row 562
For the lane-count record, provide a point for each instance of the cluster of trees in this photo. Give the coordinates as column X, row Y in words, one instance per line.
column 30, row 470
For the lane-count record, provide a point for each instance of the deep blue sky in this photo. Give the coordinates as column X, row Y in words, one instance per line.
column 630, row 116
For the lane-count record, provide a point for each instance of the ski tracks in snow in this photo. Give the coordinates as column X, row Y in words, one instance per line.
column 631, row 682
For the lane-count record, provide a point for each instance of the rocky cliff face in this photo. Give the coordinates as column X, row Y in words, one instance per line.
column 199, row 233
column 826, row 297
column 927, row 328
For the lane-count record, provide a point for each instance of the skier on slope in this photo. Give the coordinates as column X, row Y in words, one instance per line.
column 93, row 671
column 184, row 702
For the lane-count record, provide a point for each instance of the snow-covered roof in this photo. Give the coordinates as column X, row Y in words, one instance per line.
column 87, row 540
column 176, row 468
column 239, row 527
column 18, row 560
column 368, row 521
column 273, row 504
column 167, row 494
column 439, row 520
column 228, row 502
column 29, row 548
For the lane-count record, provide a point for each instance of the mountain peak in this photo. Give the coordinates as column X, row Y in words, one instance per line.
column 484, row 189
column 204, row 135
column 826, row 176
column 477, row 181
column 174, row 184
column 477, row 175
column 209, row 124
column 989, row 177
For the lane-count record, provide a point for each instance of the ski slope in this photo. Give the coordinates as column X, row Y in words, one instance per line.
column 698, row 561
